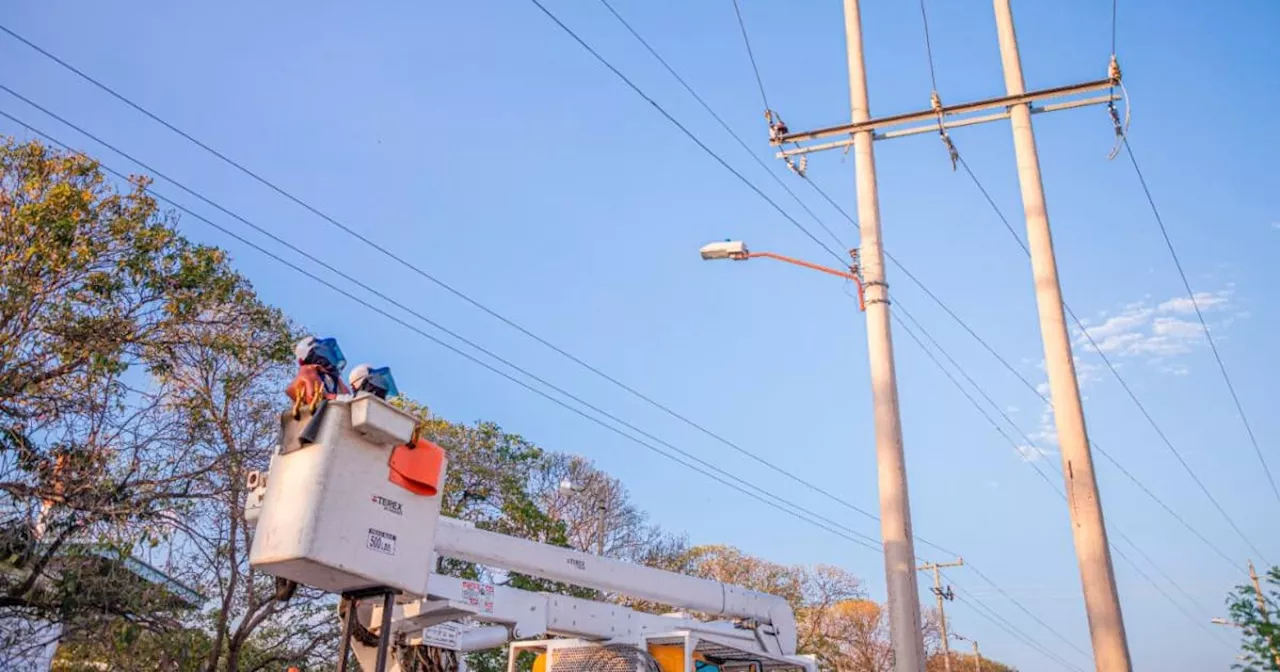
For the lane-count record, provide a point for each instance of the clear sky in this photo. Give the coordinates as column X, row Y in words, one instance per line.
column 479, row 141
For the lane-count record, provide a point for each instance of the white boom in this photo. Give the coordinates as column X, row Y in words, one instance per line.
column 329, row 515
column 714, row 598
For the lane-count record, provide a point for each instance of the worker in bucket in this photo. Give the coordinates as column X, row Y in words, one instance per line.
column 320, row 364
column 375, row 381
column 319, row 379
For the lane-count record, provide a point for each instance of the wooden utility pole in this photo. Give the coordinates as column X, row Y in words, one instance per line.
column 943, row 596
column 1102, row 603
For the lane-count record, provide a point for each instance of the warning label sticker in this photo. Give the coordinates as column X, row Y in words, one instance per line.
column 479, row 595
column 382, row 542
column 444, row 635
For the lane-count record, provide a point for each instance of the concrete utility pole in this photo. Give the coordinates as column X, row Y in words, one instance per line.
column 1262, row 606
column 942, row 596
column 1106, row 625
column 977, row 657
column 1102, row 601
column 895, row 510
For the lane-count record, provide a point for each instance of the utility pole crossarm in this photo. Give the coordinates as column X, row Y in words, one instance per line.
column 951, row 116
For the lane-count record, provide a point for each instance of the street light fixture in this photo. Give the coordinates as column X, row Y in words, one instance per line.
column 736, row 250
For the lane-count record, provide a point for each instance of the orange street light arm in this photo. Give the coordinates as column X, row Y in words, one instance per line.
column 848, row 275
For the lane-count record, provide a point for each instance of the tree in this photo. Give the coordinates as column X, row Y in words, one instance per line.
column 1257, row 623
column 965, row 662
column 854, row 637
column 598, row 503
column 96, row 288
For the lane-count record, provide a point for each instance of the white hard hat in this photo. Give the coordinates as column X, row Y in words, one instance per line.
column 303, row 348
column 358, row 375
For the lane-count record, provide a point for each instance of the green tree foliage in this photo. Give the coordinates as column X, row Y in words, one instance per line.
column 1257, row 623
column 97, row 292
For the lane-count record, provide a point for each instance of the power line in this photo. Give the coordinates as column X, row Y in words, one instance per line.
column 911, row 333
column 661, row 110
column 475, row 303
column 1114, row 4
column 1001, row 622
column 834, row 204
column 1054, row 487
column 869, row 540
column 751, row 55
column 1079, row 323
column 978, row 407
column 928, row 46
column 1129, row 391
column 852, row 221
column 720, row 120
column 751, row 490
column 458, row 293
column 953, row 362
column 1195, row 303
column 901, row 308
column 1008, row 366
column 235, row 164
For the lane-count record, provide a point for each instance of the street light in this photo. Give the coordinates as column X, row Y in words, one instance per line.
column 891, row 467
column 568, row 488
column 736, row 250
column 977, row 655
column 1223, row 621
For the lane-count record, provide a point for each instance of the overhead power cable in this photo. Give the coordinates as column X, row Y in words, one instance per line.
column 323, row 216
column 990, row 615
column 608, row 65
column 458, row 293
column 869, row 541
column 331, row 220
column 939, row 364
column 751, row 54
column 1013, row 370
column 832, row 202
column 740, row 485
column 1132, row 396
column 1054, row 487
column 720, row 120
column 1195, row 303
column 256, row 176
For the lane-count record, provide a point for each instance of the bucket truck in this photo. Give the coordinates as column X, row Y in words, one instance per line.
column 356, row 511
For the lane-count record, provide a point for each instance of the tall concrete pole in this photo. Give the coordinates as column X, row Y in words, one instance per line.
column 1102, row 603
column 895, row 512
column 977, row 656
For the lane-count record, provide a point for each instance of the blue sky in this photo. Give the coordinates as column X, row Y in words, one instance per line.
column 479, row 141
